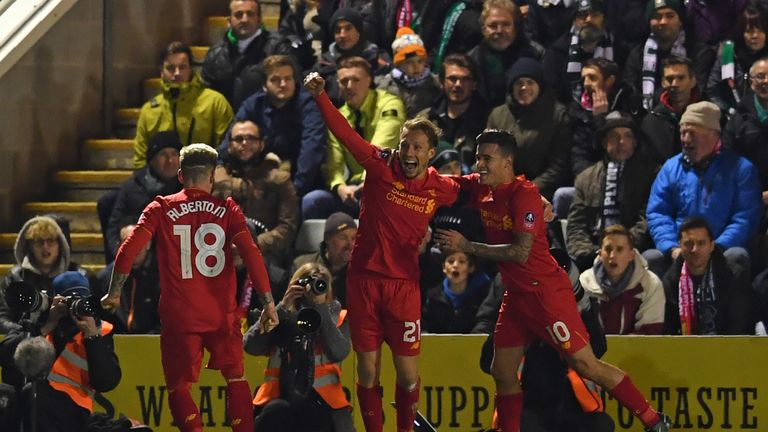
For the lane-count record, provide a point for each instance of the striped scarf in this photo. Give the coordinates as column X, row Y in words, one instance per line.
column 611, row 202
column 576, row 56
column 650, row 59
column 697, row 306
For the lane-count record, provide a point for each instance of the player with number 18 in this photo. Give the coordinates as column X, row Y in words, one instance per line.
column 194, row 233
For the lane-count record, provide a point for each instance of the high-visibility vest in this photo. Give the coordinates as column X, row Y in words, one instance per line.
column 69, row 373
column 327, row 381
column 587, row 392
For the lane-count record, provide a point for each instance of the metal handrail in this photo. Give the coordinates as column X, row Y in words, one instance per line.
column 4, row 5
column 23, row 23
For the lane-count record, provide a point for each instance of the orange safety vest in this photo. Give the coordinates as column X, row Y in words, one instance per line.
column 69, row 373
column 587, row 392
column 327, row 381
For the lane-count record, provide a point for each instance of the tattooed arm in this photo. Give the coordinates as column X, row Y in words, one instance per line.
column 517, row 251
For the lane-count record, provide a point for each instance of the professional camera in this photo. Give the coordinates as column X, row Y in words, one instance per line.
column 308, row 320
column 317, row 284
column 23, row 297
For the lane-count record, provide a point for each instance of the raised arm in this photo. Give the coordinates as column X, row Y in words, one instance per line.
column 361, row 149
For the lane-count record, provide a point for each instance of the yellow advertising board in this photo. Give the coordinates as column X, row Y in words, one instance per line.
column 702, row 383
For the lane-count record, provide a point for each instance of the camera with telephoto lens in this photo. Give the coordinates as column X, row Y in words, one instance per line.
column 318, row 285
column 23, row 297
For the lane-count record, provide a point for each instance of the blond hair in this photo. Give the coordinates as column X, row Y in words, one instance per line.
column 42, row 227
column 316, row 270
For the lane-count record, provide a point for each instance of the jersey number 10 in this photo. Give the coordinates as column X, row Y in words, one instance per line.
column 204, row 250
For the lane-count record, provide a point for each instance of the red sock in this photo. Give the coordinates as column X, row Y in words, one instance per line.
column 184, row 410
column 370, row 407
column 406, row 404
column 628, row 395
column 510, row 408
column 239, row 406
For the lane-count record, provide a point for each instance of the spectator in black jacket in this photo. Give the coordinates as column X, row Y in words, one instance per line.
column 157, row 178
column 704, row 297
column 232, row 66
column 137, row 313
column 451, row 306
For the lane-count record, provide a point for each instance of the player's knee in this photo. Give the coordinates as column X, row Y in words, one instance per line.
column 408, row 380
column 503, row 374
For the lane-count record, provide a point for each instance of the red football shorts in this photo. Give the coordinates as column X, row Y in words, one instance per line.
column 552, row 316
column 384, row 310
column 182, row 353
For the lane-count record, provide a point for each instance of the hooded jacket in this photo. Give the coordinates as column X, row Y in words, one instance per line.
column 542, row 131
column 638, row 309
column 198, row 114
column 26, row 270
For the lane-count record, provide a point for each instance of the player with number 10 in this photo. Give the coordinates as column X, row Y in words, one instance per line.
column 194, row 233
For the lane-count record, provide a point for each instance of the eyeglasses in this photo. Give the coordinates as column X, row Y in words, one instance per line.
column 45, row 241
column 243, row 138
column 759, row 77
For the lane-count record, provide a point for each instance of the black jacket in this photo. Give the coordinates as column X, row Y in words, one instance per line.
column 745, row 134
column 661, row 128
column 237, row 75
column 460, row 132
column 135, row 193
column 439, row 316
column 733, row 297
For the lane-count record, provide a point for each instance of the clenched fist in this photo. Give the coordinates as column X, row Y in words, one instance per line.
column 314, row 84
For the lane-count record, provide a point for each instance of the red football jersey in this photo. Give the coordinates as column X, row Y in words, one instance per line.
column 516, row 207
column 193, row 233
column 394, row 210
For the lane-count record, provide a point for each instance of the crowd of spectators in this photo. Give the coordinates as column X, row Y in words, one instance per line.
column 649, row 139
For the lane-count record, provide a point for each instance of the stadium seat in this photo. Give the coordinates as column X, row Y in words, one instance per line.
column 310, row 235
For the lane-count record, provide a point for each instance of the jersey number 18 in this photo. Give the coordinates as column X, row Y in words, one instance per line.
column 204, row 250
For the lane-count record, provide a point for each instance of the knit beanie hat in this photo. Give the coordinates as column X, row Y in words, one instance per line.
column 588, row 5
column 525, row 67
column 407, row 44
column 704, row 114
column 347, row 14
column 71, row 283
column 161, row 140
column 613, row 120
column 658, row 4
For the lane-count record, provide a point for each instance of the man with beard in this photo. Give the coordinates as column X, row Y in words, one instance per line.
column 335, row 250
column 661, row 125
column 460, row 111
column 668, row 38
column 504, row 42
column 587, row 39
column 704, row 180
column 265, row 193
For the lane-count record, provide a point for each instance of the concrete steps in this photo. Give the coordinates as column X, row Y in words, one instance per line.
column 82, row 215
column 87, row 185
column 107, row 162
column 87, row 248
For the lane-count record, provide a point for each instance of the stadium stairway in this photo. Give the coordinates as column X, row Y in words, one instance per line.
column 107, row 163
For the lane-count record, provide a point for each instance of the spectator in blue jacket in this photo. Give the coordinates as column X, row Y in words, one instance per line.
column 704, row 180
column 290, row 122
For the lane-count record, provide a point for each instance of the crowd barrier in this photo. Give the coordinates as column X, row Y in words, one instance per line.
column 702, row 383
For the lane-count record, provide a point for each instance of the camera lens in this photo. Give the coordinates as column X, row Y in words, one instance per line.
column 82, row 306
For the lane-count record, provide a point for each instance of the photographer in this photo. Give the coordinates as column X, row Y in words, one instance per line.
column 74, row 361
column 302, row 382
column 42, row 253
